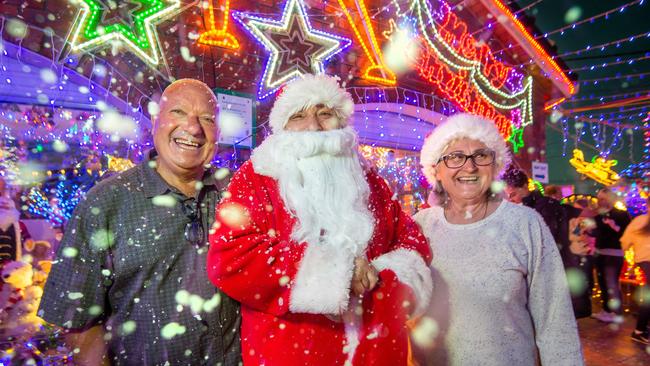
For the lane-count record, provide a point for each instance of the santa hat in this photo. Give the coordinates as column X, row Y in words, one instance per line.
column 307, row 91
column 458, row 126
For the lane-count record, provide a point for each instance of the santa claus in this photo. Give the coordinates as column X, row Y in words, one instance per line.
column 309, row 239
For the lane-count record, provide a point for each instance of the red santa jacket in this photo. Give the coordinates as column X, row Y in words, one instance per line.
column 292, row 295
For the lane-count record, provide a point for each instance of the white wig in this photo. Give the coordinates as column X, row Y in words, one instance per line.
column 458, row 126
column 310, row 90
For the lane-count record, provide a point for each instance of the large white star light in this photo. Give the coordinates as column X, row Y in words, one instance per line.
column 295, row 47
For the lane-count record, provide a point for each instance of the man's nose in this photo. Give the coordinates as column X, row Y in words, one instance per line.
column 312, row 122
column 193, row 124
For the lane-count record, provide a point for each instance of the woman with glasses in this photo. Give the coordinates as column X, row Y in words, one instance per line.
column 500, row 294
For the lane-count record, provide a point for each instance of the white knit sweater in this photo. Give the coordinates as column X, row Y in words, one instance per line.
column 500, row 291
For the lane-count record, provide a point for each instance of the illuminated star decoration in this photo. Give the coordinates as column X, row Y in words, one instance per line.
column 296, row 49
column 132, row 22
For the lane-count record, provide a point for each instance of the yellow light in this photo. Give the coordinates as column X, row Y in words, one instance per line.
column 378, row 71
column 116, row 164
column 598, row 170
column 219, row 37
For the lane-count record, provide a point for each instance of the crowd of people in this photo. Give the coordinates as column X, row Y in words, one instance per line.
column 304, row 257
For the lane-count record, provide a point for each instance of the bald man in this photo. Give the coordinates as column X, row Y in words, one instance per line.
column 130, row 280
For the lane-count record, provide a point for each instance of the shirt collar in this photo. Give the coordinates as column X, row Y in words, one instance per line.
column 155, row 185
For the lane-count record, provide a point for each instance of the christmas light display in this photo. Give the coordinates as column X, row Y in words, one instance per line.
column 591, row 200
column 296, row 48
column 534, row 185
column 116, row 164
column 466, row 71
column 219, row 37
column 635, row 200
column 641, row 170
column 378, row 71
column 8, row 156
column 90, row 30
column 403, row 174
column 599, row 169
column 537, row 51
column 59, row 208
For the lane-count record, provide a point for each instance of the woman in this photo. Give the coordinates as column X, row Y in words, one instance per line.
column 637, row 236
column 500, row 293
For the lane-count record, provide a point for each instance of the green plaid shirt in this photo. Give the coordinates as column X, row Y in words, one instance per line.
column 124, row 262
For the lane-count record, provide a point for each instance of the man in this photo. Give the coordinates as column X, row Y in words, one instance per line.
column 325, row 263
column 557, row 217
column 553, row 191
column 129, row 281
column 610, row 225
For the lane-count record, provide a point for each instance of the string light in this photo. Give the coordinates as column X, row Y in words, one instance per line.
column 604, row 64
column 142, row 40
column 619, row 9
column 641, row 170
column 615, row 78
column 541, row 54
column 614, row 104
column 605, row 97
column 219, row 37
column 602, row 46
column 554, row 103
column 377, row 71
column 261, row 28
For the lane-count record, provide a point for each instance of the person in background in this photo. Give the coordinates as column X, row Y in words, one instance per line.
column 13, row 232
column 553, row 191
column 129, row 282
column 610, row 225
column 637, row 236
column 557, row 217
column 500, row 295
column 325, row 263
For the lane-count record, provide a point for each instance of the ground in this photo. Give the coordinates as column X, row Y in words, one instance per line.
column 608, row 345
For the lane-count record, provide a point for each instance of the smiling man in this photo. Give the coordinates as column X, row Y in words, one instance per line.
column 130, row 280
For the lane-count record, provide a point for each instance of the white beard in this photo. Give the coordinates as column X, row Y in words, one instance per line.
column 322, row 183
column 8, row 216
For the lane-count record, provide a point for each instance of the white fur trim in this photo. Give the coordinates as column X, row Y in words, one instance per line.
column 310, row 90
column 265, row 157
column 410, row 269
column 322, row 284
column 462, row 125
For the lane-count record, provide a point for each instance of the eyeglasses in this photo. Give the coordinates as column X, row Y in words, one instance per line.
column 194, row 228
column 456, row 160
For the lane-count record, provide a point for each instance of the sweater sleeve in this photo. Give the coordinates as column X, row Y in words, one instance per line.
column 549, row 303
column 247, row 260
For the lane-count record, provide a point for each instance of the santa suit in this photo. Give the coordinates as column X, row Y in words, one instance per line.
column 292, row 293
